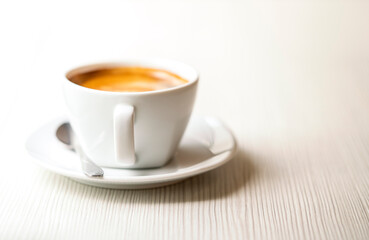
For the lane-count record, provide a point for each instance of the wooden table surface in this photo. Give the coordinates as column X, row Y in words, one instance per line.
column 290, row 78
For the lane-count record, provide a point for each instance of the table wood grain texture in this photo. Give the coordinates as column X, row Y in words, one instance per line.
column 290, row 78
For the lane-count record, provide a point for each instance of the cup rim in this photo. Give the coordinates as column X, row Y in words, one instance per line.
column 145, row 62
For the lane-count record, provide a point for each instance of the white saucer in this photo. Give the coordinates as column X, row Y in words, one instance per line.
column 207, row 144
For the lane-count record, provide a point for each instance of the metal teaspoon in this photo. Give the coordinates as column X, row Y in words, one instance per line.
column 65, row 135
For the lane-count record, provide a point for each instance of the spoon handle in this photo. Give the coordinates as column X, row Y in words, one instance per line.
column 89, row 168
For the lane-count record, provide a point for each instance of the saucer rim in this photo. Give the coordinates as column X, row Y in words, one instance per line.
column 138, row 180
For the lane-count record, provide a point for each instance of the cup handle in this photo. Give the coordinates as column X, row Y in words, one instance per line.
column 124, row 134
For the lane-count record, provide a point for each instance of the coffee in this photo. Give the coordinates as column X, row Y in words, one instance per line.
column 127, row 79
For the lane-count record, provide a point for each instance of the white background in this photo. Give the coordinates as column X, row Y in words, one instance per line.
column 230, row 42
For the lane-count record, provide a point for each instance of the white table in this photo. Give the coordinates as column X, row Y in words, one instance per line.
column 290, row 78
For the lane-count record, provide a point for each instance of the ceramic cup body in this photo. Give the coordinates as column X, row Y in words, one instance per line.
column 159, row 117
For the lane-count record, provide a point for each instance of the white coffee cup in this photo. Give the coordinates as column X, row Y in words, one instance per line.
column 131, row 129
